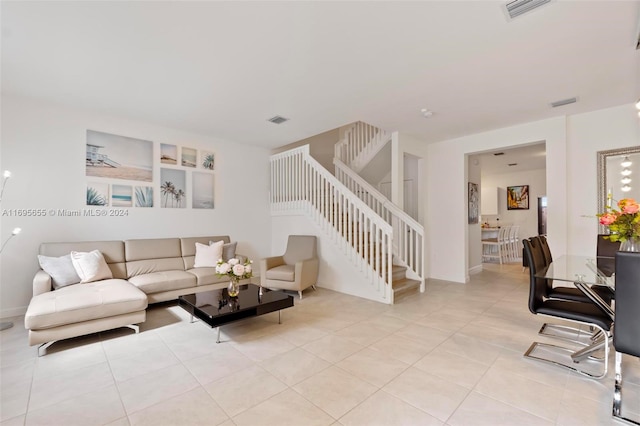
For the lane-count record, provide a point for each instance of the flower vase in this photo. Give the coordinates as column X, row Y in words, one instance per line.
column 631, row 244
column 234, row 287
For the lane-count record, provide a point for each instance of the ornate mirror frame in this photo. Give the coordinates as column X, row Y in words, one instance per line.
column 602, row 173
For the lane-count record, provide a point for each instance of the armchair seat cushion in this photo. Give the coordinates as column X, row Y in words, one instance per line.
column 84, row 302
column 282, row 273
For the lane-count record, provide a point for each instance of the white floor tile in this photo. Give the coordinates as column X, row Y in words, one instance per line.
column 335, row 391
column 285, row 409
column 194, row 408
column 244, row 389
column 385, row 409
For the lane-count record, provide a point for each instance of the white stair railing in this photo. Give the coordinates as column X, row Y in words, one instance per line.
column 361, row 142
column 299, row 183
column 408, row 234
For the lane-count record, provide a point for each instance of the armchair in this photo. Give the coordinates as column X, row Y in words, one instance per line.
column 296, row 269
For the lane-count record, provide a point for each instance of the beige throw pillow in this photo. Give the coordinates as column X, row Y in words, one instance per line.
column 60, row 269
column 208, row 256
column 228, row 250
column 90, row 266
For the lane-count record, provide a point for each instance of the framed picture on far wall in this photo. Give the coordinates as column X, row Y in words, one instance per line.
column 518, row 197
column 474, row 201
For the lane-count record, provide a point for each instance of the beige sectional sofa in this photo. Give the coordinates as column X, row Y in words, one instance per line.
column 144, row 271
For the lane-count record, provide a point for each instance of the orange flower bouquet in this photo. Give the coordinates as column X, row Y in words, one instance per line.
column 624, row 224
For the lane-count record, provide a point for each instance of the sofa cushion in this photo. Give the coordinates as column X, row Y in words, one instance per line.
column 207, row 256
column 113, row 252
column 60, row 269
column 188, row 247
column 228, row 250
column 83, row 302
column 281, row 273
column 206, row 276
column 90, row 266
column 163, row 281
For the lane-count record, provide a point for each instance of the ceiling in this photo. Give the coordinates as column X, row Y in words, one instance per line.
column 224, row 68
column 511, row 160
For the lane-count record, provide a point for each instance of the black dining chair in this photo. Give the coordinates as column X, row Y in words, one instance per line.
column 538, row 244
column 626, row 336
column 579, row 312
column 606, row 255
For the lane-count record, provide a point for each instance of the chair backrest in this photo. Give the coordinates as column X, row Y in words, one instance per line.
column 546, row 251
column 300, row 247
column 503, row 234
column 626, row 336
column 606, row 248
column 513, row 233
column 537, row 286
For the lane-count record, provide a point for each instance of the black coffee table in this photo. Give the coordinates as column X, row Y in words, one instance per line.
column 216, row 308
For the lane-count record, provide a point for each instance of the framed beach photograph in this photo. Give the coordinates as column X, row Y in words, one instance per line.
column 207, row 160
column 118, row 157
column 143, row 196
column 518, row 197
column 202, row 190
column 168, row 154
column 474, row 203
column 173, row 188
column 121, row 196
column 189, row 157
column 97, row 194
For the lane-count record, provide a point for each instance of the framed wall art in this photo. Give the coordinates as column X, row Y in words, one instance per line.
column 474, row 203
column 518, row 197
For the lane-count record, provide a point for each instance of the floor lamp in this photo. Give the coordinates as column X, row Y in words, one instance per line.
column 6, row 175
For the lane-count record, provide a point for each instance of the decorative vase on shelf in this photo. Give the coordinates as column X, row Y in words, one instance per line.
column 234, row 287
column 630, row 244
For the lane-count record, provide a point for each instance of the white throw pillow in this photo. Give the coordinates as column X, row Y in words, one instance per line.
column 228, row 250
column 208, row 256
column 90, row 266
column 60, row 269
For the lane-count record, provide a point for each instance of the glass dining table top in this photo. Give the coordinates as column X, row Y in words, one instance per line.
column 589, row 270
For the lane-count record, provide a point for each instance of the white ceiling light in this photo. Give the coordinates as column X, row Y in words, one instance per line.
column 625, row 180
column 625, row 172
column 626, row 188
column 626, row 162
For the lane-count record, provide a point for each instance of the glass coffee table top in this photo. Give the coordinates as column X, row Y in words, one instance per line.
column 217, row 308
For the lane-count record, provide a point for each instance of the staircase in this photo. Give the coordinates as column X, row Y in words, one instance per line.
column 378, row 238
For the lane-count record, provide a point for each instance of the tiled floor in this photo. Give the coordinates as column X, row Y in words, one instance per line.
column 452, row 355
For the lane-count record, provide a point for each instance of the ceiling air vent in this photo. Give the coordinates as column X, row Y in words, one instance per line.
column 512, row 164
column 564, row 102
column 518, row 7
column 278, row 119
column 498, row 153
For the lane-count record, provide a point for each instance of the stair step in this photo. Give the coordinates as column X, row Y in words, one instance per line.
column 398, row 273
column 404, row 285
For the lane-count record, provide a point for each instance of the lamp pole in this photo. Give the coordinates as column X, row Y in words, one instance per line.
column 6, row 175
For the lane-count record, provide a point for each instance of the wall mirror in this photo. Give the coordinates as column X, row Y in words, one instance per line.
column 618, row 175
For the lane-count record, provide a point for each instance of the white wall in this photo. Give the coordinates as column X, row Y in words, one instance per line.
column 44, row 146
column 446, row 205
column 336, row 271
column 321, row 147
column 610, row 128
column 474, row 234
column 526, row 219
column 571, row 143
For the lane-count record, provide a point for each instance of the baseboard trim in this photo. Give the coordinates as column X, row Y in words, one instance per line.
column 13, row 312
column 475, row 270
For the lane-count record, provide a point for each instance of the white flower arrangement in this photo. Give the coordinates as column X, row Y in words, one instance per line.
column 234, row 269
